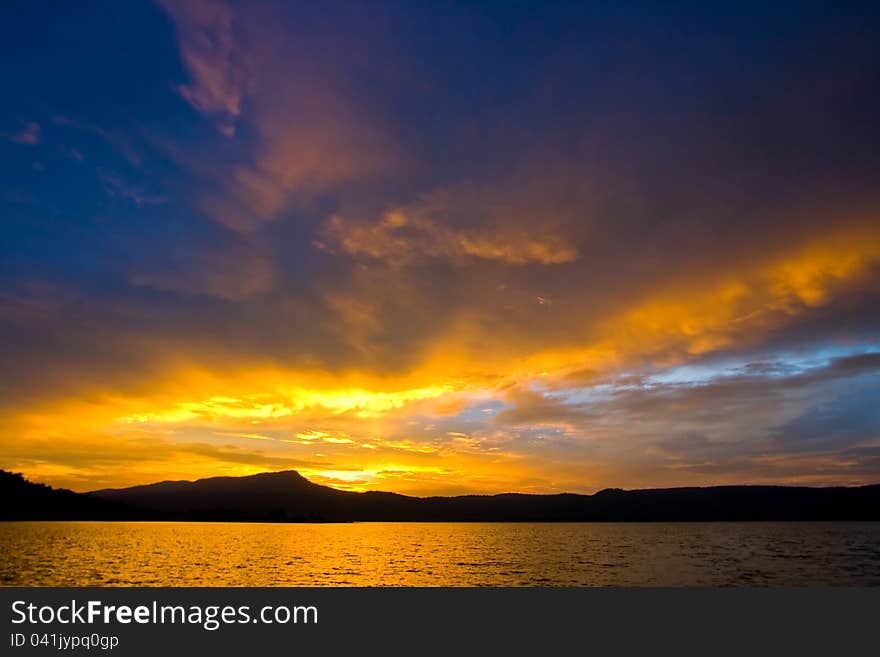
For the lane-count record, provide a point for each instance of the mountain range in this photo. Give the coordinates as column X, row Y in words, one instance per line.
column 287, row 496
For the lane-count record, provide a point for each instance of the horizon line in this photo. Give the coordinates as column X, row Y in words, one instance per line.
column 474, row 494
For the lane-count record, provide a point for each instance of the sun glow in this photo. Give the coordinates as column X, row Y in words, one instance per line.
column 432, row 427
column 286, row 402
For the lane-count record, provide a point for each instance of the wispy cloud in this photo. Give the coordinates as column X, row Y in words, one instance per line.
column 118, row 187
column 402, row 237
column 29, row 135
column 216, row 62
column 306, row 130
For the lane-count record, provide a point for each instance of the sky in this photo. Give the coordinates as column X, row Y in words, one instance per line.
column 440, row 247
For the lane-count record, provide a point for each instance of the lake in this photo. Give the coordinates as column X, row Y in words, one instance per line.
column 439, row 554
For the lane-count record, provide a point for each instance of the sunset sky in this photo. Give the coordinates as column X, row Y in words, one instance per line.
column 438, row 247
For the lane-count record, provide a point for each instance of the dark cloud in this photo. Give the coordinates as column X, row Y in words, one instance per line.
column 850, row 417
column 529, row 407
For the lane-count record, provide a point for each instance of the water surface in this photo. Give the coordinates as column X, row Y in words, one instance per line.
column 438, row 554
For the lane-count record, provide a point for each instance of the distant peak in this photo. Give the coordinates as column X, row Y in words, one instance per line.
column 610, row 491
column 285, row 476
column 281, row 473
column 291, row 475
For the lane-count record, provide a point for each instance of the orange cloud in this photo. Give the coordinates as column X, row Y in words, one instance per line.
column 401, row 237
column 370, row 430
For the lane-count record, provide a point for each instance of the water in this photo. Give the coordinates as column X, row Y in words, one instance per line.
column 439, row 554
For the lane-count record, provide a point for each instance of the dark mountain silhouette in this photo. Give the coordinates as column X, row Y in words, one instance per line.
column 288, row 496
column 24, row 500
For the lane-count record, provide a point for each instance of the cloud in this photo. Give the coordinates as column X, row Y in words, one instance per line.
column 537, row 212
column 535, row 408
column 850, row 417
column 735, row 425
column 29, row 135
column 306, row 147
column 402, row 237
column 216, row 62
column 121, row 142
column 308, row 128
column 118, row 187
column 231, row 268
column 841, row 468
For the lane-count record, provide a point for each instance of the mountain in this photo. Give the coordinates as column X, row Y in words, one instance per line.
column 25, row 500
column 288, row 496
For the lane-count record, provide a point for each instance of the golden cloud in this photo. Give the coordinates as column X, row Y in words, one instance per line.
column 401, row 238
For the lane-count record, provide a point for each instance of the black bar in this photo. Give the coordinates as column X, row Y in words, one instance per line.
column 457, row 621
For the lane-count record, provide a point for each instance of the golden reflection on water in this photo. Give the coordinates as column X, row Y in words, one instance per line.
column 438, row 554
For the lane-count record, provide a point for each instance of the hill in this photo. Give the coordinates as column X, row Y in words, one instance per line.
column 25, row 500
column 288, row 496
